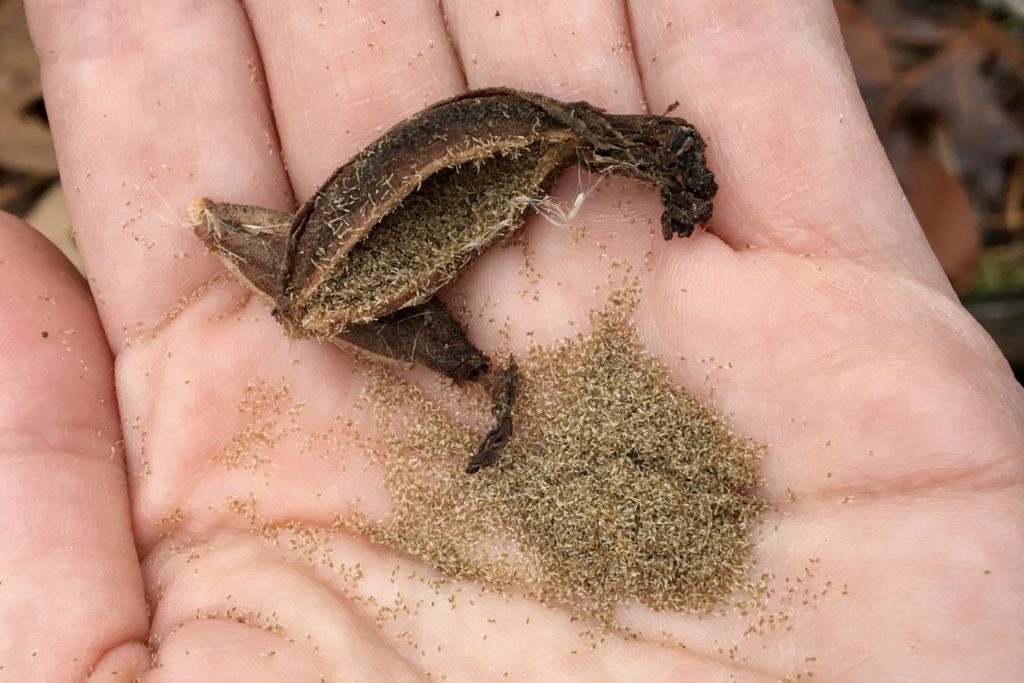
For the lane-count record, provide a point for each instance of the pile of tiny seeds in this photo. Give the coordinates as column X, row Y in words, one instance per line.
column 617, row 486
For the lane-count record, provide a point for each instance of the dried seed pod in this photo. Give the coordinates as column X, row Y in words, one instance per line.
column 410, row 211
column 360, row 262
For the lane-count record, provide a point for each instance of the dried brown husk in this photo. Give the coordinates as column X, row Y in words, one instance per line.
column 411, row 211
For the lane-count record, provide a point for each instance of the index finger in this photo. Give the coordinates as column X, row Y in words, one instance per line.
column 152, row 105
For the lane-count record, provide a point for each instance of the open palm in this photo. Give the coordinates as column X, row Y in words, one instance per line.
column 811, row 314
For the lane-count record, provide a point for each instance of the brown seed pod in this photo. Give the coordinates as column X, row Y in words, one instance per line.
column 361, row 260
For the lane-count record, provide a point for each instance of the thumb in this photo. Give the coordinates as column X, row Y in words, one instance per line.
column 71, row 598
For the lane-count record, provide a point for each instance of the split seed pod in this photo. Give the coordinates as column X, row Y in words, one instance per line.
column 360, row 262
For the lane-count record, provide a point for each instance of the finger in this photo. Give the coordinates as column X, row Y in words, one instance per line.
column 152, row 105
column 798, row 164
column 567, row 50
column 70, row 586
column 341, row 73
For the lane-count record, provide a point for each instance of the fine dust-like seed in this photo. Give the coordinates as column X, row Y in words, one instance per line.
column 617, row 486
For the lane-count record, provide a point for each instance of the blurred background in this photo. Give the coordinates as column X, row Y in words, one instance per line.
column 943, row 81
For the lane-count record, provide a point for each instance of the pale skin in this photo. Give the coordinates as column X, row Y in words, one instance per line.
column 892, row 422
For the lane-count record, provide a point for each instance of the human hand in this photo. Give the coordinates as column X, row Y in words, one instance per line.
column 893, row 424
